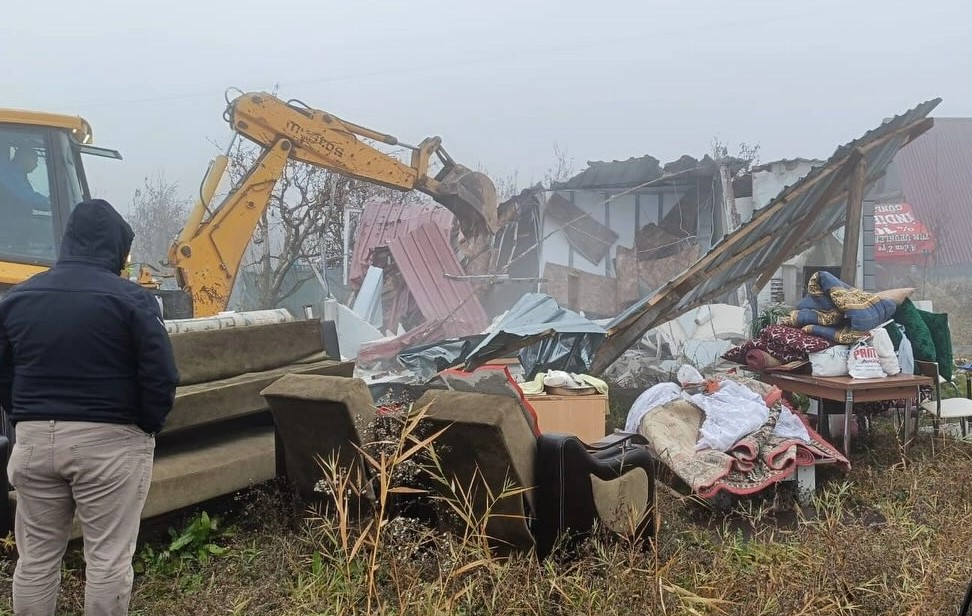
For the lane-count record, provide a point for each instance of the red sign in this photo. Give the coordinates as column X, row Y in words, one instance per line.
column 899, row 236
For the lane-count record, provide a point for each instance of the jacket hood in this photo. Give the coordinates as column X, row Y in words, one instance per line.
column 98, row 235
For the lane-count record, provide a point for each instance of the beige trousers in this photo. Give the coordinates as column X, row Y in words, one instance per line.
column 102, row 473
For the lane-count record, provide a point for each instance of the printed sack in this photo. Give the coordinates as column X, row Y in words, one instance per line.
column 863, row 362
column 830, row 362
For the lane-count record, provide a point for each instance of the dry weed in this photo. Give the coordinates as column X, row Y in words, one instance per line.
column 886, row 538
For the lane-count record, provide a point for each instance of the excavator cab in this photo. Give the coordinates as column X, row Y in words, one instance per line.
column 41, row 179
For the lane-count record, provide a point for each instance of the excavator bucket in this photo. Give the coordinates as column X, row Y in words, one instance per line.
column 471, row 197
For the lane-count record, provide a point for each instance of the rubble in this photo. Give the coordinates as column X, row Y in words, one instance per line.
column 352, row 329
column 639, row 369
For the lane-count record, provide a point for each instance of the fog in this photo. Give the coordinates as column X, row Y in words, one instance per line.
column 499, row 81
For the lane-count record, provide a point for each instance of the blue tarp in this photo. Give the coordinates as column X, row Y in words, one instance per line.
column 547, row 336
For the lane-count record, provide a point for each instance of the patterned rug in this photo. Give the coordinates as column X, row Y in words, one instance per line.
column 757, row 460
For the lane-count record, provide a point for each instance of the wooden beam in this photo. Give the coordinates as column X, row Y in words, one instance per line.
column 810, row 241
column 725, row 264
column 920, row 129
column 852, row 224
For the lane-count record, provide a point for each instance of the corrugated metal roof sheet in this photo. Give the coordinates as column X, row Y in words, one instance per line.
column 424, row 257
column 799, row 216
column 372, row 353
column 935, row 171
column 381, row 222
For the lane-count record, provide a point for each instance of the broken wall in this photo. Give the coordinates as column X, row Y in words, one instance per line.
column 623, row 215
column 596, row 296
column 637, row 278
column 516, row 252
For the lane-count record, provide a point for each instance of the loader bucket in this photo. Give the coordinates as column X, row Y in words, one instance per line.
column 471, row 197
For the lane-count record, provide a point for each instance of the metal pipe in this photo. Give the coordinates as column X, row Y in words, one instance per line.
column 227, row 320
column 217, row 167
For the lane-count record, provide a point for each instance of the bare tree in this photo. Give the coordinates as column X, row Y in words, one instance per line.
column 563, row 167
column 157, row 214
column 748, row 153
column 508, row 186
column 303, row 225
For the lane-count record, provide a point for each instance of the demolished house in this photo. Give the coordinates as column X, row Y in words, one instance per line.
column 419, row 282
column 596, row 243
column 633, row 241
column 413, row 284
column 537, row 330
column 619, row 230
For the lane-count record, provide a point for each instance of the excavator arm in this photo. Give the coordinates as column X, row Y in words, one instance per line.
column 208, row 252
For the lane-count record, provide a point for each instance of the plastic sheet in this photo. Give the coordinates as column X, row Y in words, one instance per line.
column 427, row 360
column 547, row 336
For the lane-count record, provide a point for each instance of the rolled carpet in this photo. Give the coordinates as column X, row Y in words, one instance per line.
column 761, row 360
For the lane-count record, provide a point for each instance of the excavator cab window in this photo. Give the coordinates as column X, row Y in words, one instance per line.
column 40, row 181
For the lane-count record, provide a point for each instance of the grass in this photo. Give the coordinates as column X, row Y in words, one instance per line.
column 886, row 538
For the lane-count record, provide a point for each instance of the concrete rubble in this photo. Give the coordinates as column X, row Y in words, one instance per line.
column 699, row 337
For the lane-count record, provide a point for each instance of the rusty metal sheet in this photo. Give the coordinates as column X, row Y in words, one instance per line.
column 383, row 221
column 426, row 260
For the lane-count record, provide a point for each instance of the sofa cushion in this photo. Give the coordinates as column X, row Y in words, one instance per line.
column 487, row 439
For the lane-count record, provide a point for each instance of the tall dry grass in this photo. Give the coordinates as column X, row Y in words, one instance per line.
column 885, row 538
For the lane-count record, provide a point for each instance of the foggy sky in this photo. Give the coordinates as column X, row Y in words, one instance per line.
column 500, row 80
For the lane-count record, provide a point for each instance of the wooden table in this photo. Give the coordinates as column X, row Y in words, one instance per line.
column 849, row 390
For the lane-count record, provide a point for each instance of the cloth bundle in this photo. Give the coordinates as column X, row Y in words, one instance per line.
column 840, row 313
column 781, row 343
column 781, row 441
column 559, row 378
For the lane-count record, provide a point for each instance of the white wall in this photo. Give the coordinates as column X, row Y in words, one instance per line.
column 744, row 205
column 620, row 219
column 768, row 183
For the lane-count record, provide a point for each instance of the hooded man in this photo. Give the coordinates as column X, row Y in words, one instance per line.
column 88, row 377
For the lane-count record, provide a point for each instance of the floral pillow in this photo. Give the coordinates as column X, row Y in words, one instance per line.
column 794, row 339
column 780, row 351
column 782, row 342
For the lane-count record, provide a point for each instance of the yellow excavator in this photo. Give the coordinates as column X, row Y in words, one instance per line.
column 207, row 254
column 41, row 179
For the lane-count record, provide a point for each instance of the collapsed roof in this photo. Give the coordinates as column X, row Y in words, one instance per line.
column 792, row 222
column 636, row 171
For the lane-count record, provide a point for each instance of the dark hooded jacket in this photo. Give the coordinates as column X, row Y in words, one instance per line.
column 81, row 343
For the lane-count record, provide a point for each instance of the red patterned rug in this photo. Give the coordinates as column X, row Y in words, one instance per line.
column 759, row 459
